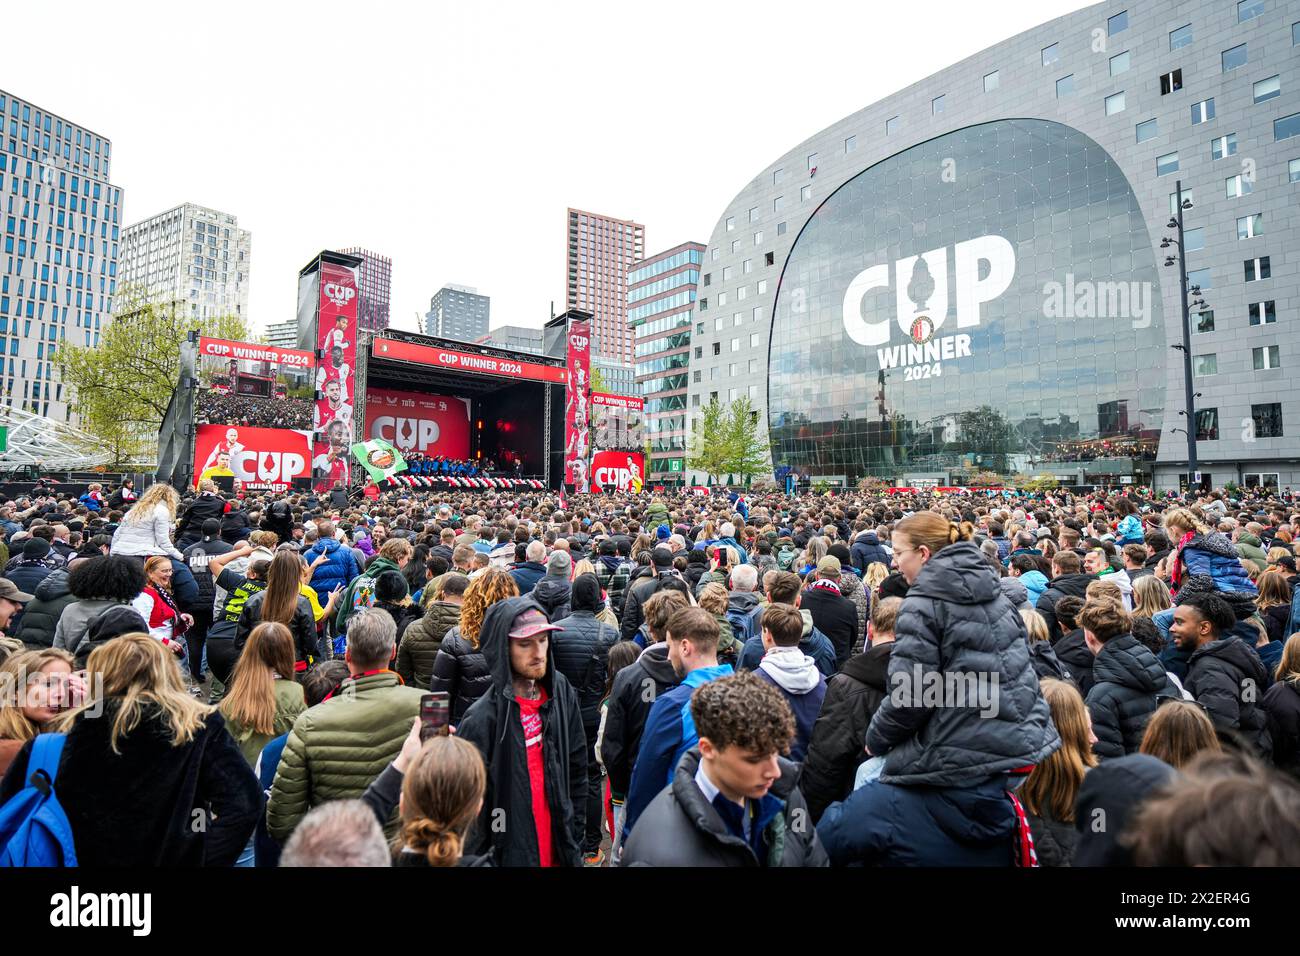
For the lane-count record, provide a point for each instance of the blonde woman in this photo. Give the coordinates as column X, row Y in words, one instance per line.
column 34, row 687
column 146, row 528
column 1282, row 708
column 875, row 576
column 1200, row 550
column 460, row 669
column 143, row 763
column 263, row 700
column 1049, row 792
column 1150, row 596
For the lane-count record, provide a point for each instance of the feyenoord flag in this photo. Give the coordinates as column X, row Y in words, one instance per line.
column 379, row 458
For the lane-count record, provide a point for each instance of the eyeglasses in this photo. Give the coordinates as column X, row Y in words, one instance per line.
column 898, row 551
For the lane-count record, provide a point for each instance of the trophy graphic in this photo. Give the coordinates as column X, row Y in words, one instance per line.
column 919, row 290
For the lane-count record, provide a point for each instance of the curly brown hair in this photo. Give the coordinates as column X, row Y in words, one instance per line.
column 494, row 584
column 743, row 710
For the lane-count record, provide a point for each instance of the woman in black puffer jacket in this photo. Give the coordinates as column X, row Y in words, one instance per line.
column 956, row 622
column 460, row 669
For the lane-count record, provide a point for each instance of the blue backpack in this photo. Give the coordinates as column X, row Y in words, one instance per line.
column 34, row 831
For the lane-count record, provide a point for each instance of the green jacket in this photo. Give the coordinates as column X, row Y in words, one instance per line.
column 656, row 515
column 339, row 746
column 289, row 703
column 1248, row 546
column 361, row 591
column 421, row 640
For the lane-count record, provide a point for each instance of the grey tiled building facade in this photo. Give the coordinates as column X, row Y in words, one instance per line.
column 1045, row 163
column 458, row 312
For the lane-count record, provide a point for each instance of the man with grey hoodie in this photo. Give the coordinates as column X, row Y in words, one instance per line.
column 792, row 672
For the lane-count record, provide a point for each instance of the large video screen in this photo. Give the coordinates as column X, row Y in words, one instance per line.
column 616, row 421
column 254, row 386
column 988, row 300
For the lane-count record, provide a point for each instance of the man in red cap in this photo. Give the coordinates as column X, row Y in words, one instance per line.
column 529, row 730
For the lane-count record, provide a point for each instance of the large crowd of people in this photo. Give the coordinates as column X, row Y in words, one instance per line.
column 737, row 679
column 217, row 408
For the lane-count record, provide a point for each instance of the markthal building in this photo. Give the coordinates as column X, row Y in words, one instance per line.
column 978, row 277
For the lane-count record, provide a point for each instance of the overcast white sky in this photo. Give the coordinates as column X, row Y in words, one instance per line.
column 452, row 137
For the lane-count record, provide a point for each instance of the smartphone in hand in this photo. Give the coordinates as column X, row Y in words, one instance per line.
column 435, row 714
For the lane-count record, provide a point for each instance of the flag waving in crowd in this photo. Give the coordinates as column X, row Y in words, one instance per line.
column 380, row 459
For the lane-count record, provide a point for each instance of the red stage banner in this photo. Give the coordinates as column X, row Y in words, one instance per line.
column 336, row 338
column 468, row 361
column 577, row 398
column 417, row 422
column 617, row 471
column 252, row 352
column 609, row 400
column 261, row 459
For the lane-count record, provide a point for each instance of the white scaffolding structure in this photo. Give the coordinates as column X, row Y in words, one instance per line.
column 50, row 445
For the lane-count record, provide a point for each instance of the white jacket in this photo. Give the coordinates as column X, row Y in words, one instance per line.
column 147, row 537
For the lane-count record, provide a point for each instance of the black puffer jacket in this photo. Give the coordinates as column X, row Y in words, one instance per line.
column 190, row 528
column 636, row 688
column 233, row 524
column 1054, row 841
column 1067, row 585
column 461, row 670
column 493, row 725
column 1072, row 651
column 1128, row 682
column 868, row 550
column 303, row 626
column 1218, row 675
column 41, row 617
column 643, row 583
column 419, row 646
column 582, row 655
column 836, row 748
column 681, row 828
column 1282, row 706
column 956, row 620
column 552, row 596
column 1045, row 662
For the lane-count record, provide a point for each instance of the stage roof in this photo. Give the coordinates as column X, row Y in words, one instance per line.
column 427, row 363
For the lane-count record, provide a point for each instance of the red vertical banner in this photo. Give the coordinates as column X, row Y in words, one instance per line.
column 577, row 406
column 336, row 339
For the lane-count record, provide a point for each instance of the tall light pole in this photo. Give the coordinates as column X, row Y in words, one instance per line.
column 1176, row 223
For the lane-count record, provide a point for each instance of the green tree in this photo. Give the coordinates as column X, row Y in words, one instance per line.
column 120, row 387
column 598, row 379
column 746, row 449
column 707, row 449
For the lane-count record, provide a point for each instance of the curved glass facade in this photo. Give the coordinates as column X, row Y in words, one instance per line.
column 984, row 301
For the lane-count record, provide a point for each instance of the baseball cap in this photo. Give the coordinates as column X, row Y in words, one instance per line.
column 9, row 591
column 829, row 563
column 527, row 623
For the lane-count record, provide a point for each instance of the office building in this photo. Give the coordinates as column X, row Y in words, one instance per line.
column 58, row 272
column 458, row 312
column 661, row 293
column 374, row 289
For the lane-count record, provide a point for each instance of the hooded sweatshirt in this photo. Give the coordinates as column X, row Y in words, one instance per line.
column 796, row 676
column 496, row 724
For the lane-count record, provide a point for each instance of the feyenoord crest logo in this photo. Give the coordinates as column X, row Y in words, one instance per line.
column 922, row 330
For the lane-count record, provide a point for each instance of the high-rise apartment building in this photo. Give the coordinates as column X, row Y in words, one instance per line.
column 283, row 335
column 192, row 255
column 375, row 289
column 58, row 271
column 660, row 302
column 458, row 312
column 600, row 251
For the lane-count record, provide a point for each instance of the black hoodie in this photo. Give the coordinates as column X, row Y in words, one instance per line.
column 636, row 688
column 840, row 734
column 1219, row 674
column 1066, row 585
column 494, row 725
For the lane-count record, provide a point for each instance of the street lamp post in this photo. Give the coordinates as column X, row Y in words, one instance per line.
column 1176, row 223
